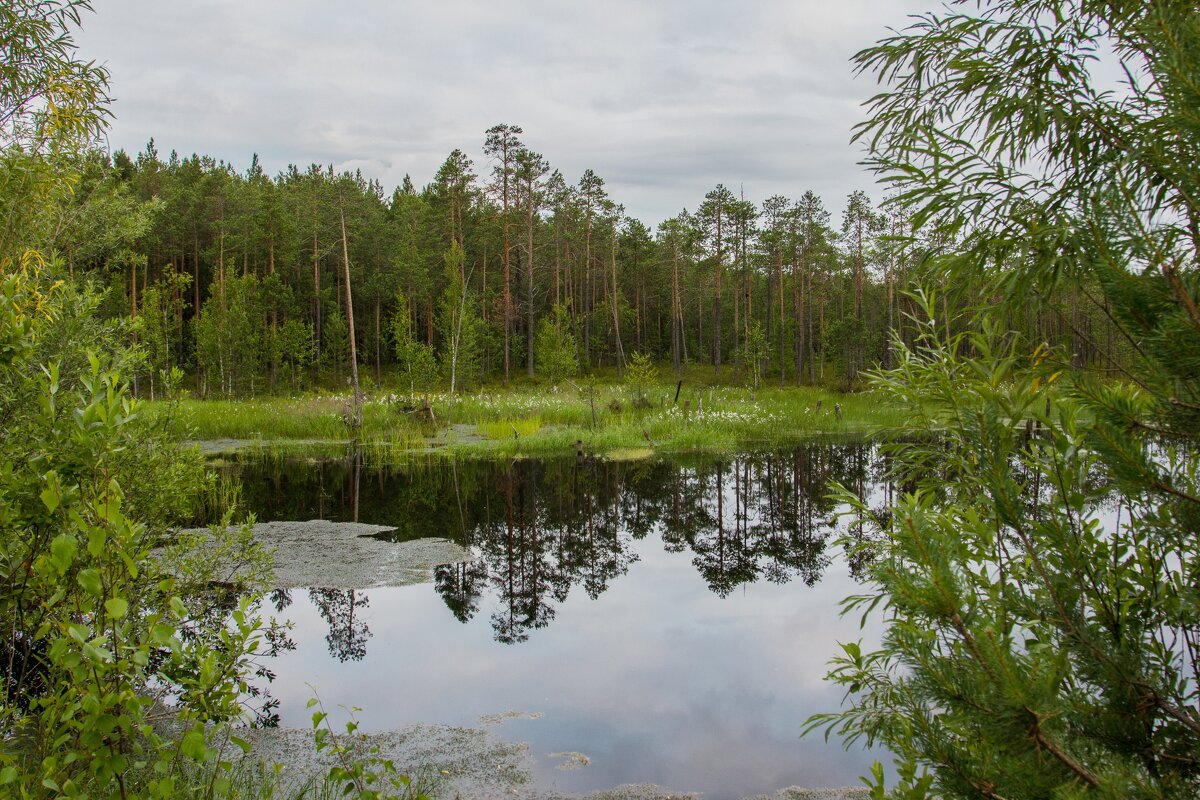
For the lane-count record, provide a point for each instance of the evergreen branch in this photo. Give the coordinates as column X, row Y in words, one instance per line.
column 1182, row 294
column 1035, row 732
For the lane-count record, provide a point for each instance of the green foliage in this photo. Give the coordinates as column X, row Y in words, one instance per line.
column 603, row 323
column 418, row 366
column 640, row 375
column 292, row 349
column 1041, row 571
column 335, row 352
column 416, row 361
column 52, row 107
column 756, row 351
column 158, row 331
column 230, row 337
column 555, row 353
column 99, row 634
column 103, row 224
column 1033, row 642
column 87, row 488
column 459, row 324
column 844, row 336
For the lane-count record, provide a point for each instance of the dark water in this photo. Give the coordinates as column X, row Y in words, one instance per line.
column 671, row 620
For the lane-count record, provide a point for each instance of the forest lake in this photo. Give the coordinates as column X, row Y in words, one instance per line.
column 568, row 625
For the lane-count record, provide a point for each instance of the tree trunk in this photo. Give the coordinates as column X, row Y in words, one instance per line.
column 737, row 322
column 316, row 265
column 196, row 276
column 587, row 282
column 529, row 282
column 717, row 302
column 676, row 312
column 274, row 314
column 350, row 325
column 616, row 317
column 221, row 267
column 782, row 322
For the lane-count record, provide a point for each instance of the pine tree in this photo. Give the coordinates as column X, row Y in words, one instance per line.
column 1038, row 644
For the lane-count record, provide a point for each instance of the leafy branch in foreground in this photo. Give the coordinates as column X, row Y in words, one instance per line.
column 1041, row 630
column 95, row 634
column 1041, row 579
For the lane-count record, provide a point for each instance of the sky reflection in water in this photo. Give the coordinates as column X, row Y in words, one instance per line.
column 659, row 615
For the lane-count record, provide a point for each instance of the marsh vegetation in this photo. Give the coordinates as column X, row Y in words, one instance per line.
column 597, row 417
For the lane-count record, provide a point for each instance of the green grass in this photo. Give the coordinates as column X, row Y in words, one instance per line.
column 527, row 418
column 509, row 427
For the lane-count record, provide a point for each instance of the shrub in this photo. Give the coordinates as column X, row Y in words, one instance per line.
column 94, row 630
column 640, row 375
column 554, row 348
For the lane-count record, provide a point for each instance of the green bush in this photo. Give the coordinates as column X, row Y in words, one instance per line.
column 640, row 375
column 554, row 347
column 96, row 633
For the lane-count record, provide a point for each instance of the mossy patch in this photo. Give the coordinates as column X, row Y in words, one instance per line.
column 454, row 761
column 629, row 454
column 350, row 555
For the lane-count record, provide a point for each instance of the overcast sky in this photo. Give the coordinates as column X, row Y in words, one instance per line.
column 663, row 99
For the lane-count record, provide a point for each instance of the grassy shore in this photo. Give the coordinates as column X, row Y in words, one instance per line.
column 528, row 418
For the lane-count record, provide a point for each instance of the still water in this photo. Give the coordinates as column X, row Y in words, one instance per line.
column 669, row 620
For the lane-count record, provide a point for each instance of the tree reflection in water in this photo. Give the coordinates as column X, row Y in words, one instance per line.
column 348, row 633
column 542, row 527
column 548, row 526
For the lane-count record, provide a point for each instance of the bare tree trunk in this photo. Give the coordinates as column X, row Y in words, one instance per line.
column 737, row 320
column 587, row 282
column 506, row 299
column 821, row 333
column 717, row 303
column 782, row 322
column 798, row 304
column 616, row 317
column 429, row 321
column 637, row 319
column 196, row 276
column 557, row 268
column 529, row 282
column 676, row 312
column 350, row 325
column 221, row 267
column 316, row 265
column 274, row 314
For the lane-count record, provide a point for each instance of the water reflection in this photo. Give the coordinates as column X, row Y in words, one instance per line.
column 541, row 528
column 348, row 634
column 671, row 619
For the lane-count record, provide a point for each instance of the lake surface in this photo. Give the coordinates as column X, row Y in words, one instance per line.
column 671, row 620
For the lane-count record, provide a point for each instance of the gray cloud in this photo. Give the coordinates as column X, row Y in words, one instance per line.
column 661, row 99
